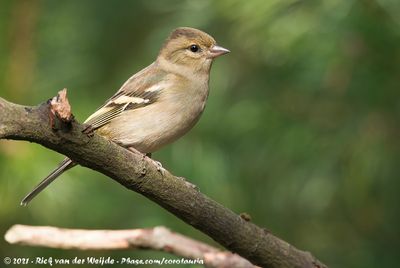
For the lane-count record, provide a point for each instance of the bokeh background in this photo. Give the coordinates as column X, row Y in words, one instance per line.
column 301, row 129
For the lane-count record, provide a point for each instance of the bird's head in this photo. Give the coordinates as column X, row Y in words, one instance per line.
column 191, row 49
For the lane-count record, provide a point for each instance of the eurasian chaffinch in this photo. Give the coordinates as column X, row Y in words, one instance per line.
column 157, row 105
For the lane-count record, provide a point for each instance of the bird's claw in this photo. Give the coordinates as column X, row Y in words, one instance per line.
column 148, row 156
column 159, row 166
column 88, row 130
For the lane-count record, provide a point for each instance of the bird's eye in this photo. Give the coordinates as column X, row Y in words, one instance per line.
column 194, row 48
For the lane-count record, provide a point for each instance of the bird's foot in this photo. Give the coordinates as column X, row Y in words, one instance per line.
column 135, row 151
column 158, row 165
column 148, row 156
column 88, row 130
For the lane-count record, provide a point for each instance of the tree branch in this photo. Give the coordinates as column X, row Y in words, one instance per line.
column 137, row 173
column 157, row 238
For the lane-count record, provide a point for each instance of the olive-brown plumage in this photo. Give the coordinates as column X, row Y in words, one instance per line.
column 157, row 105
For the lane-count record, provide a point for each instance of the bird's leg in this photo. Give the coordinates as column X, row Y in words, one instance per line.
column 134, row 150
column 157, row 163
column 88, row 130
column 148, row 155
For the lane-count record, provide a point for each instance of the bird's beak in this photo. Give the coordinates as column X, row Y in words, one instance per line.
column 217, row 51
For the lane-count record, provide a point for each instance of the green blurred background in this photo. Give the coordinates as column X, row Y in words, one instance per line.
column 301, row 129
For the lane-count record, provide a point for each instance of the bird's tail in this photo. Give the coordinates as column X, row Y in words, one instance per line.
column 63, row 166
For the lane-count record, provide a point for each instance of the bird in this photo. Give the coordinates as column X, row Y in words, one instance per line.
column 158, row 104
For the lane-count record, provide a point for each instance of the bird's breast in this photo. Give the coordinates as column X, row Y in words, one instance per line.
column 160, row 123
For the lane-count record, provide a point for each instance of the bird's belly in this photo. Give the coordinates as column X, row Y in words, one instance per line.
column 148, row 128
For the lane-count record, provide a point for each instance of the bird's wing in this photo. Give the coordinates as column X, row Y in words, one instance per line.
column 140, row 90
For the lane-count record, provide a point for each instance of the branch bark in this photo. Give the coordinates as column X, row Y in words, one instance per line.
column 137, row 173
column 157, row 238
